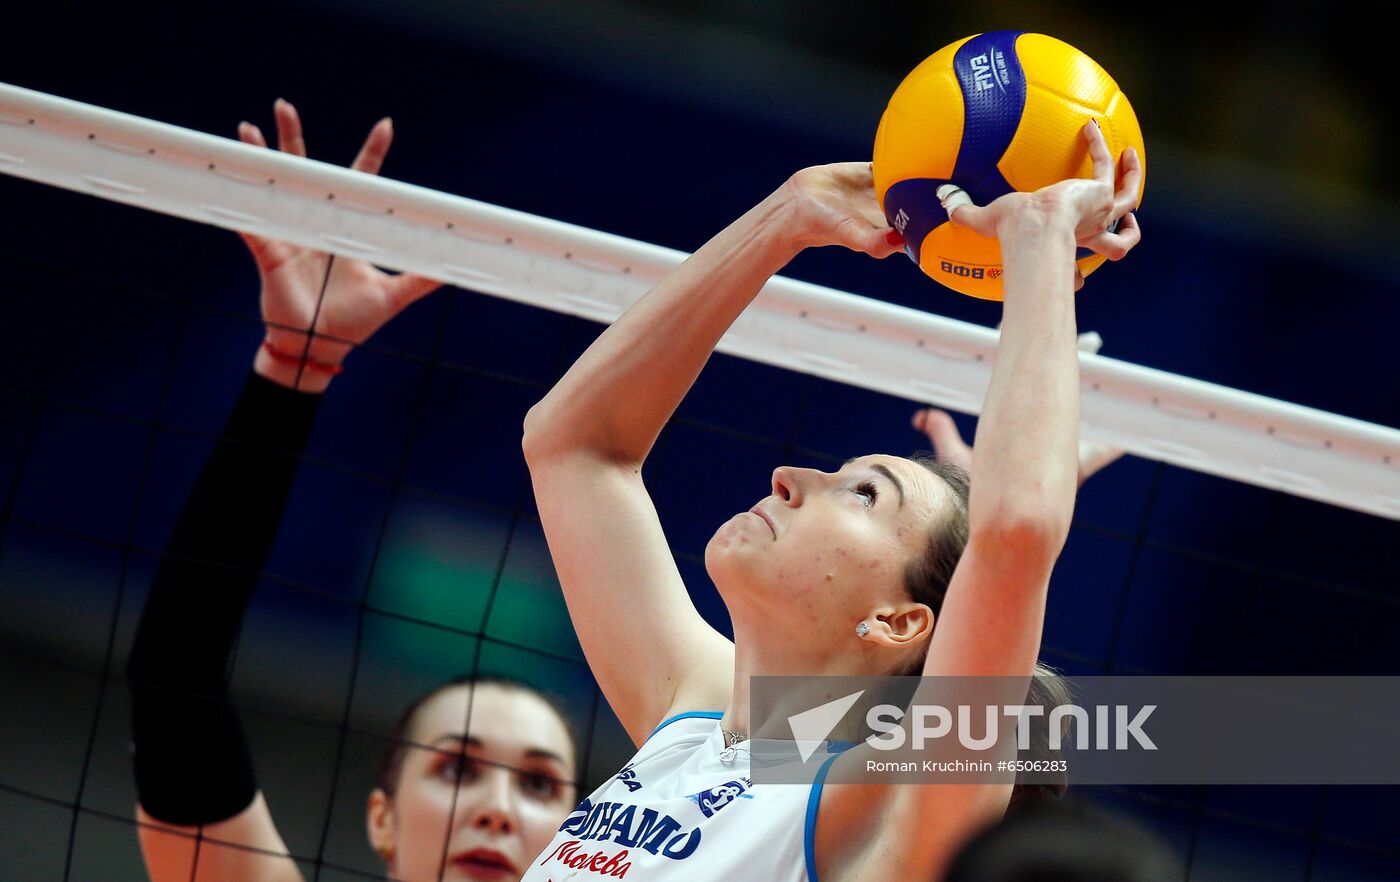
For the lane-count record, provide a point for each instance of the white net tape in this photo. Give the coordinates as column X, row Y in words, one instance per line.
column 565, row 268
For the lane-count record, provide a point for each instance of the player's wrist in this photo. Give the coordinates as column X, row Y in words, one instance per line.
column 786, row 218
column 293, row 369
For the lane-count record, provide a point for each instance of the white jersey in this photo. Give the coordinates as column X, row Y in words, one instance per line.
column 684, row 809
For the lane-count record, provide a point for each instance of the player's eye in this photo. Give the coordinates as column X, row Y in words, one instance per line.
column 456, row 769
column 541, row 786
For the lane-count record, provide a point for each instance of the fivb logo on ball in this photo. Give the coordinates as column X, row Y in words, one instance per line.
column 989, row 69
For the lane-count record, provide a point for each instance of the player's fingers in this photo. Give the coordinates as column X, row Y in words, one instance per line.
column 251, row 134
column 1129, row 230
column 371, row 156
column 884, row 241
column 943, row 433
column 289, row 137
column 1089, row 341
column 1116, row 245
column 962, row 211
column 1126, row 199
column 1098, row 151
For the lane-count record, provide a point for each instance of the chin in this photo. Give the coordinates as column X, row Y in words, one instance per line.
column 733, row 568
column 718, row 558
column 728, row 540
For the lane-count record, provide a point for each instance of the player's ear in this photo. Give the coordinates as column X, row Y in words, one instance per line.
column 381, row 824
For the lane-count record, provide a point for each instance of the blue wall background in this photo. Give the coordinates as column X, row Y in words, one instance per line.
column 411, row 551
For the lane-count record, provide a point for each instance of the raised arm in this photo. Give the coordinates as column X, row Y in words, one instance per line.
column 1024, row 477
column 1026, row 469
column 648, row 647
column 194, row 773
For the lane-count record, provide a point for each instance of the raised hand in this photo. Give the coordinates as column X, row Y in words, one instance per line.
column 358, row 298
column 836, row 205
column 948, row 442
column 1102, row 213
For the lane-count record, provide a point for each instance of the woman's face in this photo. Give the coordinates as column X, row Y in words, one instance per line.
column 827, row 543
column 485, row 798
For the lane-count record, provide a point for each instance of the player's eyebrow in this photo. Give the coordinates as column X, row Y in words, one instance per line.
column 886, row 473
column 533, row 753
column 893, row 480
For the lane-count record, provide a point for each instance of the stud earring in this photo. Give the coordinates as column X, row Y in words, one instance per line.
column 862, row 629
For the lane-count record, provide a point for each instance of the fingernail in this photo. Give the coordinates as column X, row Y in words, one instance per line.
column 388, row 122
column 894, row 238
column 1095, row 122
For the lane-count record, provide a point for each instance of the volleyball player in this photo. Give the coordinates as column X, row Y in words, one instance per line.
column 885, row 566
column 479, row 774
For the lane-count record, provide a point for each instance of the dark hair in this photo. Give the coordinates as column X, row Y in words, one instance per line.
column 926, row 579
column 1063, row 843
column 400, row 742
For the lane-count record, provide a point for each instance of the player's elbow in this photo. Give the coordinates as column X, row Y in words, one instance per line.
column 531, row 434
column 1030, row 528
column 553, row 434
column 541, row 437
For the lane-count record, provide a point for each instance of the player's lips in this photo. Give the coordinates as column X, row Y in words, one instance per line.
column 485, row 865
column 758, row 510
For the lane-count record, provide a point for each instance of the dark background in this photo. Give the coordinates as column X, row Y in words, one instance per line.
column 412, row 552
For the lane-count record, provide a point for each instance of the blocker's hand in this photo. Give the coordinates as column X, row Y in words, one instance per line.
column 948, row 442
column 358, row 297
column 1092, row 204
column 836, row 205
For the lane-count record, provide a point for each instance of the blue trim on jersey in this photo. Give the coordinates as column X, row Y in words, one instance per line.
column 709, row 715
column 809, row 831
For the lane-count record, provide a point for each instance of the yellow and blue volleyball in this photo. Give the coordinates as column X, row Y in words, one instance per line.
column 990, row 113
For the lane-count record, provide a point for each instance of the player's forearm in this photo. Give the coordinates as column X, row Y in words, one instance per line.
column 190, row 622
column 1026, row 468
column 615, row 399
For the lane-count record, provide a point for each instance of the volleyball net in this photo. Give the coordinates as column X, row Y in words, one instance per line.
column 427, row 561
column 565, row 268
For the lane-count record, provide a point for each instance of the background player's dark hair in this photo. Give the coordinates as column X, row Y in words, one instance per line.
column 400, row 742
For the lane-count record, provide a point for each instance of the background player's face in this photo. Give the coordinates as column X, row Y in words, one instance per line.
column 486, row 797
column 829, row 547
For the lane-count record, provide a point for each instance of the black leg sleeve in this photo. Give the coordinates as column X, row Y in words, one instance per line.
column 191, row 760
